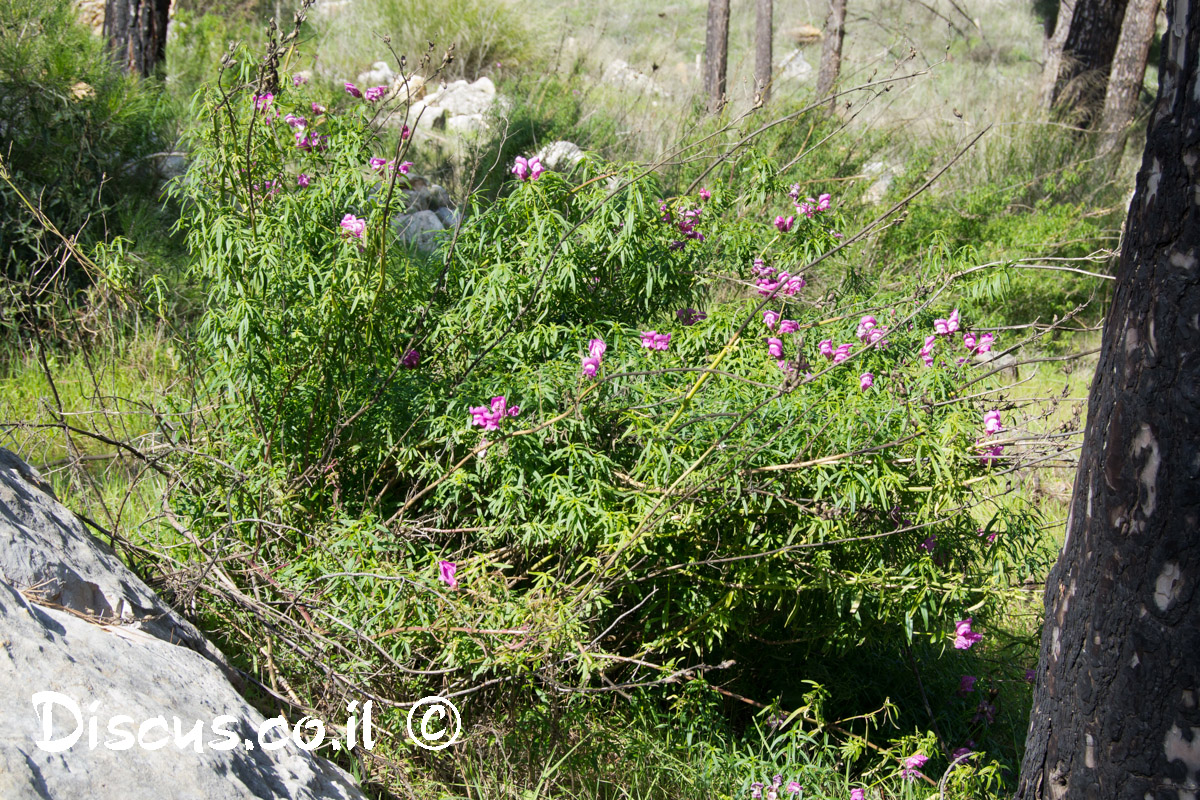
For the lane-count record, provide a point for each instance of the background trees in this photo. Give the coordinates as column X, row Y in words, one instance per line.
column 1115, row 712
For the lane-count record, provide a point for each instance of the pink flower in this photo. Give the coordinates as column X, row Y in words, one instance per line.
column 299, row 80
column 302, row 180
column 775, row 347
column 964, row 637
column 318, row 109
column 597, row 348
column 789, row 326
column 405, row 132
column 535, row 168
column 985, row 343
column 377, row 163
column 866, row 381
column 966, row 684
column 352, row 90
column 263, row 101
column 794, row 192
column 404, row 167
column 969, row 341
column 842, row 353
column 961, row 753
column 489, row 418
column 911, row 765
column 928, row 359
column 807, row 209
column 857, row 794
column 446, row 570
column 875, row 335
column 295, row 121
column 824, row 202
column 941, row 327
column 952, row 323
column 690, row 316
column 521, row 168
column 375, row 93
column 705, row 194
column 826, row 348
column 784, row 225
column 591, row 365
column 411, row 359
column 761, row 270
column 354, row 226
column 784, row 365
column 794, row 787
column 990, row 454
column 770, row 318
column 864, row 326
column 992, row 423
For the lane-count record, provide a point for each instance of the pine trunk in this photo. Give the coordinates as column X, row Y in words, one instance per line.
column 137, row 33
column 1128, row 73
column 716, row 53
column 1116, row 710
column 763, row 13
column 831, row 50
column 1081, row 54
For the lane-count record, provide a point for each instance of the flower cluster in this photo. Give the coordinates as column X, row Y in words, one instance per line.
column 946, row 327
column 912, row 765
column 772, row 790
column 262, row 102
column 690, row 316
column 382, row 165
column 653, row 340
column 528, row 169
column 411, row 359
column 489, row 417
column 869, row 331
column 768, row 281
column 310, row 141
column 825, row 348
column 784, row 224
column 688, row 220
column 591, row 362
column 992, row 425
column 810, row 207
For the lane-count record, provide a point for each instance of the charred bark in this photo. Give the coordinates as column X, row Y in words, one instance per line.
column 716, row 53
column 137, row 33
column 763, row 14
column 831, row 50
column 1128, row 73
column 1116, row 710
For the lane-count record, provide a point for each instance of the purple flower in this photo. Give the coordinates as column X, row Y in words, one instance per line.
column 866, row 381
column 929, row 543
column 952, row 323
column 446, row 570
column 653, row 340
column 411, row 359
column 527, row 169
column 941, row 327
column 789, row 326
column 842, row 353
column 992, row 423
column 377, row 163
column 302, row 180
column 318, row 109
column 964, row 637
column 961, row 753
column 352, row 90
column 985, row 343
column 784, row 224
column 770, row 318
column 690, row 316
column 969, row 341
column 864, row 327
column 824, row 202
column 1030, row 675
column 794, row 787
column 756, row 790
column 911, row 765
column 705, row 194
column 826, row 348
column 966, row 684
column 990, row 454
column 591, row 365
column 774, row 347
column 295, row 121
column 405, row 132
column 299, row 80
column 375, row 93
column 857, row 794
column 597, row 348
column 263, row 101
column 928, row 359
column 354, row 226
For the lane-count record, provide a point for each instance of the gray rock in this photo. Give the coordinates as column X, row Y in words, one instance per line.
column 380, row 74
column 420, row 229
column 883, row 175
column 449, row 217
column 112, row 666
column 45, row 550
column 464, row 98
column 560, row 156
column 794, row 67
column 427, row 198
column 466, row 124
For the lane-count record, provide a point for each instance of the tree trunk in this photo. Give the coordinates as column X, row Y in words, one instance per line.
column 137, row 33
column 1080, row 55
column 1116, row 712
column 716, row 53
column 763, row 13
column 831, row 50
column 1128, row 73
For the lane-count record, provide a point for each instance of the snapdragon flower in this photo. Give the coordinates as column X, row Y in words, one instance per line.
column 770, row 318
column 295, row 121
column 964, row 637
column 775, row 347
column 375, row 93
column 857, row 794
column 591, row 365
column 352, row 90
column 527, row 169
column 864, row 327
column 794, row 787
column 842, row 353
column 411, row 359
column 302, row 180
column 690, row 316
column 705, row 194
column 489, row 417
column 789, row 326
column 653, row 340
column 299, row 80
column 866, row 381
column 985, row 343
column 911, row 766
column 966, row 684
column 826, row 348
column 446, row 570
column 992, row 423
column 784, row 224
column 263, row 101
column 354, row 226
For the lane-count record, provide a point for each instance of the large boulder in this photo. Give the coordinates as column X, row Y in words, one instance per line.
column 560, row 156
column 93, row 643
column 464, row 97
column 421, row 229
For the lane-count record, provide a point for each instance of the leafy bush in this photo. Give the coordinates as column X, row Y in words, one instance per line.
column 72, row 133
column 656, row 492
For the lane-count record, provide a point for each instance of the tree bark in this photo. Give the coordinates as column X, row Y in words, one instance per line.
column 831, row 50
column 137, row 33
column 1080, row 54
column 763, row 18
column 1116, row 711
column 716, row 53
column 1128, row 73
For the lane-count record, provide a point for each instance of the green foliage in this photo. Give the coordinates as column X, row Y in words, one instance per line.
column 73, row 132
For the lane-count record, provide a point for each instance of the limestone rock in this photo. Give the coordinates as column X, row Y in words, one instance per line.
column 794, row 67
column 380, row 74
column 465, row 98
column 466, row 124
column 560, row 156
column 73, row 622
column 449, row 217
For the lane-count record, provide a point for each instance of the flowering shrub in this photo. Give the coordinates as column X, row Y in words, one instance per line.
column 677, row 481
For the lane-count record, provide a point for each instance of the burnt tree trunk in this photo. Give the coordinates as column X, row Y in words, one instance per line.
column 137, row 33
column 1116, row 711
column 1128, row 72
column 831, row 49
column 763, row 14
column 716, row 53
column 1079, row 56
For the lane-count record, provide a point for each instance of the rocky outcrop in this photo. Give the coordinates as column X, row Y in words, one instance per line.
column 103, row 682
